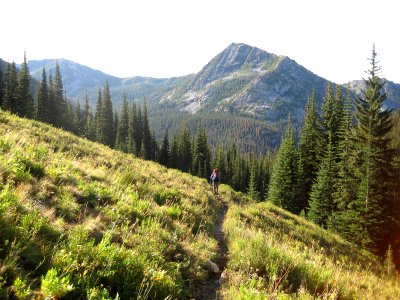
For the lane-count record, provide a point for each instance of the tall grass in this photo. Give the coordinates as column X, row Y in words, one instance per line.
column 274, row 254
column 81, row 221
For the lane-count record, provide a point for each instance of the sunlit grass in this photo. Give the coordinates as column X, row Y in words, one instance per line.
column 95, row 213
column 275, row 254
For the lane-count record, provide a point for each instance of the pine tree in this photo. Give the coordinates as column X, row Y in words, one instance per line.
column 174, row 156
column 87, row 120
column 375, row 168
column 24, row 107
column 78, row 120
column 184, row 149
column 108, row 117
column 322, row 204
column 346, row 181
column 42, row 101
column 60, row 105
column 99, row 120
column 164, row 151
column 122, row 140
column 10, row 101
column 283, row 184
column 309, row 152
column 220, row 162
column 147, row 139
column 138, row 131
column 253, row 191
column 201, row 154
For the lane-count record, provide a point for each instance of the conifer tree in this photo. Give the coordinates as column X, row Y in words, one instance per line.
column 11, row 89
column 309, row 152
column 283, row 186
column 322, row 204
column 122, row 140
column 201, row 154
column 164, row 151
column 60, row 105
column 138, row 132
column 88, row 131
column 174, row 157
column 253, row 191
column 346, row 181
column 108, row 117
column 220, row 162
column 78, row 120
column 147, row 139
column 99, row 120
column 184, row 149
column 375, row 166
column 42, row 101
column 24, row 107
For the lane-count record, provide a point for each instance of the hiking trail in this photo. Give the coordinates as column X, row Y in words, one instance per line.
column 211, row 290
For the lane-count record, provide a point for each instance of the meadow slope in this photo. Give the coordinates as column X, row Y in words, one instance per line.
column 79, row 220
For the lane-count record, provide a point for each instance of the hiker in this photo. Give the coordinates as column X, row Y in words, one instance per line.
column 215, row 179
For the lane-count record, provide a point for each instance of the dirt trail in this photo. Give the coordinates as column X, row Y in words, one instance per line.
column 211, row 289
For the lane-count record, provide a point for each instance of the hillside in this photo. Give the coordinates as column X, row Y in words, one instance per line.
column 81, row 221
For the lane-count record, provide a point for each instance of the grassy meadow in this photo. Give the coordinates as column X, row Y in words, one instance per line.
column 81, row 221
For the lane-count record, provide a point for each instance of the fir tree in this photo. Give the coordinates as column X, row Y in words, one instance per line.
column 174, row 157
column 283, row 186
column 122, row 140
column 164, row 151
column 78, row 120
column 253, row 191
column 309, row 152
column 10, row 101
column 42, row 101
column 24, row 107
column 108, row 117
column 375, row 167
column 184, row 149
column 201, row 154
column 138, row 131
column 147, row 139
column 346, row 181
column 60, row 105
column 321, row 197
column 88, row 131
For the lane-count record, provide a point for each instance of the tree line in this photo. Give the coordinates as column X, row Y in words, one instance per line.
column 342, row 174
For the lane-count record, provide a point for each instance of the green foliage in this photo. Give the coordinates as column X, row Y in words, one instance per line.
column 282, row 189
column 274, row 254
column 54, row 285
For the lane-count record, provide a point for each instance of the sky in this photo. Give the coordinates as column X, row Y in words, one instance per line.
column 168, row 38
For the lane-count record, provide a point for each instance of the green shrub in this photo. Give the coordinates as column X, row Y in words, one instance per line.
column 21, row 289
column 54, row 285
column 167, row 196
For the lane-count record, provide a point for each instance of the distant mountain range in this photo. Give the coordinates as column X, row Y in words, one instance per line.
column 242, row 84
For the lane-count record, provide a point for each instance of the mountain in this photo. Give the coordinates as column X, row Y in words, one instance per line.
column 79, row 80
column 249, row 81
column 82, row 221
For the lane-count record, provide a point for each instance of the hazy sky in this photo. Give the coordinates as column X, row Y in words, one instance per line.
column 165, row 38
